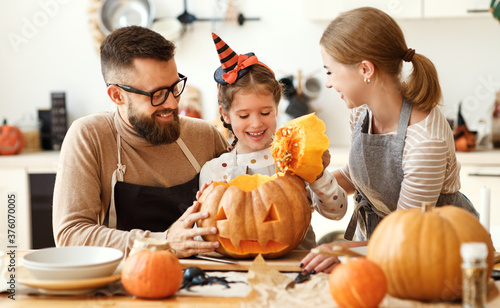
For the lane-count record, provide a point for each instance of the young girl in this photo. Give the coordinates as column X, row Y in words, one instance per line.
column 249, row 95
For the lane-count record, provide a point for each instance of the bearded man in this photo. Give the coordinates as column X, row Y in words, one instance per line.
column 133, row 173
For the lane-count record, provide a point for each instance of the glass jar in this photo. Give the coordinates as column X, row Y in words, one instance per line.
column 474, row 269
column 30, row 128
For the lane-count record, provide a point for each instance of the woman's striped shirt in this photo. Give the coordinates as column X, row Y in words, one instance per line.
column 429, row 163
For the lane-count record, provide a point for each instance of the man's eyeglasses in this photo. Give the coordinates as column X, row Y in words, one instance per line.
column 159, row 96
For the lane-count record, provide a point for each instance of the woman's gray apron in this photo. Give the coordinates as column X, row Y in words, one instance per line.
column 146, row 207
column 309, row 240
column 375, row 165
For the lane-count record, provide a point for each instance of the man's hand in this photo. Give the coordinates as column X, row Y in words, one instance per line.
column 181, row 234
column 203, row 187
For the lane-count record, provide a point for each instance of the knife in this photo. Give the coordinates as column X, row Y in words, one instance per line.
column 214, row 259
column 301, row 277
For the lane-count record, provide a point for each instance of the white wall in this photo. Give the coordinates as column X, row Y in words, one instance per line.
column 46, row 45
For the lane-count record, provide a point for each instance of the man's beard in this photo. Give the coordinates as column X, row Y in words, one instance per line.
column 151, row 130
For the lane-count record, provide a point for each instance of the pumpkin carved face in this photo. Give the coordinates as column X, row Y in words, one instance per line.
column 299, row 145
column 11, row 140
column 257, row 214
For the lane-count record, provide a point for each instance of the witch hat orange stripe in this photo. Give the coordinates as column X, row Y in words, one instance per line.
column 228, row 58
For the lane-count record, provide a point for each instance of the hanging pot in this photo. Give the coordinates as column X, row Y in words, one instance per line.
column 114, row 14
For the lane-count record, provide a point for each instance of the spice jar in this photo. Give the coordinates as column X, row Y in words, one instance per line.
column 474, row 269
column 30, row 128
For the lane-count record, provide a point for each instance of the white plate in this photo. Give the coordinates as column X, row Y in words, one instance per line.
column 64, row 287
column 70, row 263
column 72, row 256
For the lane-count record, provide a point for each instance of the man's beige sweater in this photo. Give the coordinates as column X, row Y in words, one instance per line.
column 88, row 159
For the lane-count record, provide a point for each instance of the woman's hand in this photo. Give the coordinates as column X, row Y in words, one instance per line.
column 181, row 234
column 326, row 263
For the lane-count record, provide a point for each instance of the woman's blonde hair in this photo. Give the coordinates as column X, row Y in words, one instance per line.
column 370, row 34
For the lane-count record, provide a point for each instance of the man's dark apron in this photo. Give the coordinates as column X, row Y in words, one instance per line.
column 146, row 207
column 375, row 165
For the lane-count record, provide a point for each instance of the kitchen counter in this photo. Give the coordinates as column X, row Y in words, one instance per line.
column 33, row 162
column 47, row 160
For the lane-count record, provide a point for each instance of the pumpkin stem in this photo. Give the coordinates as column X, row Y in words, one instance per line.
column 426, row 206
column 4, row 121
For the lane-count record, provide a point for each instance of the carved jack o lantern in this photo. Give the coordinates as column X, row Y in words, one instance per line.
column 257, row 214
column 11, row 139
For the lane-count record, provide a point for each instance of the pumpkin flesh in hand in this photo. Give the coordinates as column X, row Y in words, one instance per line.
column 257, row 214
column 419, row 251
column 299, row 145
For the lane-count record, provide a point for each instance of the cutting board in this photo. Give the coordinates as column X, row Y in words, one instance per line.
column 287, row 263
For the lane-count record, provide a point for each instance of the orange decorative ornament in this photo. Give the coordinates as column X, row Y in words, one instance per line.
column 11, row 139
column 299, row 146
column 152, row 274
column 419, row 251
column 257, row 214
column 357, row 283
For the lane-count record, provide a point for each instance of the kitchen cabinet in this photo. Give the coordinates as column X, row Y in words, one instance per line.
column 473, row 178
column 17, row 173
column 329, row 9
column 456, row 8
column 41, row 194
column 15, row 231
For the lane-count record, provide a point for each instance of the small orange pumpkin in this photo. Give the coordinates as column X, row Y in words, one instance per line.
column 257, row 214
column 419, row 251
column 11, row 139
column 357, row 283
column 299, row 145
column 152, row 274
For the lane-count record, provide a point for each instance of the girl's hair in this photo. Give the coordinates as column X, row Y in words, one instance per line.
column 370, row 34
column 258, row 80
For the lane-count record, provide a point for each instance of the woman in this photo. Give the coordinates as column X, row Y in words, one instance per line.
column 402, row 148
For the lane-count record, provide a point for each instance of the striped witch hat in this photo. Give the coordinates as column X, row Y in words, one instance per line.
column 228, row 59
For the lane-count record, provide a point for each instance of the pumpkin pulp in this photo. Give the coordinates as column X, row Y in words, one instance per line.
column 299, row 145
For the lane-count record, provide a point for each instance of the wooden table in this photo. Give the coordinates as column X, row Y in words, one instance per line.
column 41, row 301
column 51, row 301
column 117, row 301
